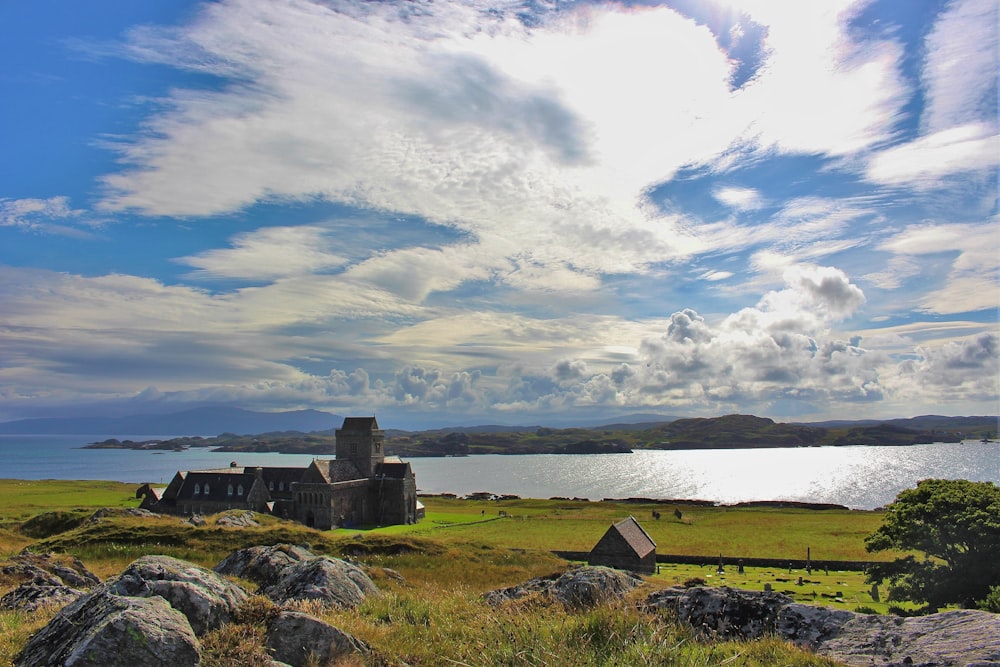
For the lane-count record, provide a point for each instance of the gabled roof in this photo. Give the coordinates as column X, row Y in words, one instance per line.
column 332, row 470
column 393, row 468
column 634, row 536
column 360, row 424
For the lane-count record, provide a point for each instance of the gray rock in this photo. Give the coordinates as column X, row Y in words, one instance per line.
column 106, row 512
column 965, row 637
column 105, row 630
column 263, row 565
column 204, row 597
column 723, row 612
column 30, row 597
column 45, row 581
column 237, row 519
column 329, row 580
column 578, row 588
column 959, row 637
column 47, row 570
column 298, row 639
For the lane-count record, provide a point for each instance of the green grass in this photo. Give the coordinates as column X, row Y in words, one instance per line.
column 435, row 616
column 702, row 531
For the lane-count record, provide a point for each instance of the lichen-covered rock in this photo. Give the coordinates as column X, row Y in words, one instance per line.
column 808, row 625
column 105, row 630
column 31, row 596
column 578, row 588
column 959, row 637
column 50, row 570
column 237, row 519
column 45, row 581
column 951, row 638
column 723, row 612
column 263, row 565
column 204, row 597
column 298, row 639
column 329, row 580
column 106, row 512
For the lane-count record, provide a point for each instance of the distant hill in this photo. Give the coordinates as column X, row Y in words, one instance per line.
column 923, row 423
column 208, row 421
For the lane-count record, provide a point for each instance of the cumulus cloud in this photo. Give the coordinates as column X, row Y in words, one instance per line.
column 782, row 347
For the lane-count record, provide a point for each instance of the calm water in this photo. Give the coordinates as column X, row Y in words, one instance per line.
column 859, row 477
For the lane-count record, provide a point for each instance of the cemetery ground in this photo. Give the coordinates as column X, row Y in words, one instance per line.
column 464, row 548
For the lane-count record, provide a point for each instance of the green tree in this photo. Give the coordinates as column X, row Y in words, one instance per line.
column 956, row 525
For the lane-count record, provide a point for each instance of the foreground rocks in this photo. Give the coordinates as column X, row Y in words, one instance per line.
column 155, row 611
column 582, row 587
column 964, row 637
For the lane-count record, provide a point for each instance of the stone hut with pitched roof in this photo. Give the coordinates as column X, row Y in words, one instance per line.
column 625, row 546
column 362, row 486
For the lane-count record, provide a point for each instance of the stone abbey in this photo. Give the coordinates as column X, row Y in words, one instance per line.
column 362, row 486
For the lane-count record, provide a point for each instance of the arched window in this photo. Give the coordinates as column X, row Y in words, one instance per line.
column 197, row 489
column 206, row 488
column 239, row 490
column 281, row 486
column 270, row 485
column 229, row 491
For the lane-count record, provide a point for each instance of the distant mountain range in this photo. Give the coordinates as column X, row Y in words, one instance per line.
column 212, row 421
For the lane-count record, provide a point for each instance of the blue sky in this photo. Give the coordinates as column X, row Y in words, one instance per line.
column 450, row 213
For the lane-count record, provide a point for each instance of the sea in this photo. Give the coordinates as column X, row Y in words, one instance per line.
column 859, row 477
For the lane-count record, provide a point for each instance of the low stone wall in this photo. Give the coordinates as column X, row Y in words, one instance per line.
column 734, row 561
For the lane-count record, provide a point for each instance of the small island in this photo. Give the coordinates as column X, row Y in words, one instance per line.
column 727, row 432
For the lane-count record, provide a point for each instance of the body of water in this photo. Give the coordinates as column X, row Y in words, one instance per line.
column 858, row 477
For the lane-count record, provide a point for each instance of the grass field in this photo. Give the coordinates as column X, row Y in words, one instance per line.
column 459, row 551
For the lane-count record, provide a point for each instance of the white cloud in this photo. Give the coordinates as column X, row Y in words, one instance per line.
column 926, row 161
column 973, row 279
column 268, row 253
column 51, row 216
column 512, row 134
column 960, row 69
column 741, row 199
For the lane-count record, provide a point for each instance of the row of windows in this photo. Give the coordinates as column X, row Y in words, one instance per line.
column 198, row 489
column 229, row 491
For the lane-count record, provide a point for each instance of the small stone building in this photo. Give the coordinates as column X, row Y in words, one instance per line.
column 625, row 546
column 362, row 486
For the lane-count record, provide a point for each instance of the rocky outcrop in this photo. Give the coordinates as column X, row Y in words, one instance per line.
column 45, row 581
column 297, row 638
column 111, row 512
column 263, row 565
column 963, row 637
column 204, row 597
column 105, row 630
column 237, row 519
column 582, row 587
column 959, row 637
column 329, row 580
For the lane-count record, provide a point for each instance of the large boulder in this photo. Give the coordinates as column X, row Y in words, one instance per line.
column 965, row 637
column 958, row 637
column 101, row 629
column 723, row 612
column 204, row 597
column 577, row 588
column 329, row 580
column 263, row 565
column 296, row 638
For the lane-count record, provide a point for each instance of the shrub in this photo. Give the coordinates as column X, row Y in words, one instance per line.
column 992, row 601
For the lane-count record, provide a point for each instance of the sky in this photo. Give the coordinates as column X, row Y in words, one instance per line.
column 450, row 213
